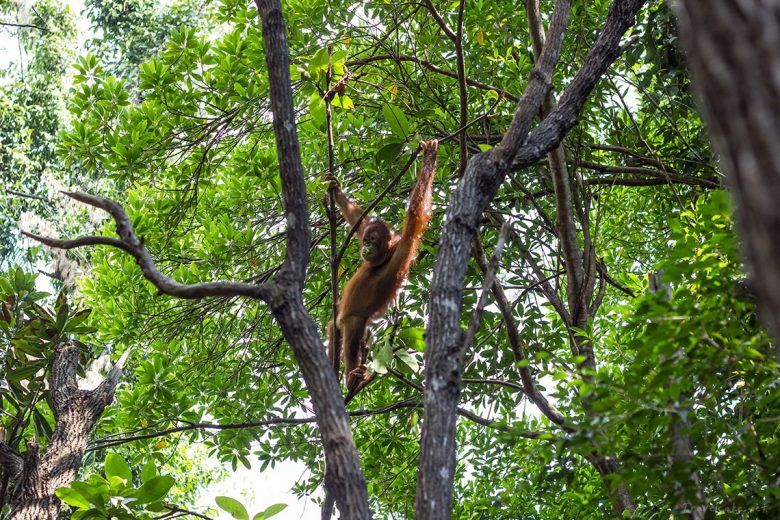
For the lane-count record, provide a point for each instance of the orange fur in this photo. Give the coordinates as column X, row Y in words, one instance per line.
column 388, row 257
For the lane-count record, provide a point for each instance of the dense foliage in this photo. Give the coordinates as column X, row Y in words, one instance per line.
column 684, row 394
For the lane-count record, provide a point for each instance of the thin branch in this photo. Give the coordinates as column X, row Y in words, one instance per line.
column 440, row 21
column 26, row 195
column 433, row 68
column 101, row 444
column 463, row 93
column 529, row 385
column 497, row 382
column 668, row 174
column 487, row 283
column 24, row 26
column 334, row 332
column 175, row 510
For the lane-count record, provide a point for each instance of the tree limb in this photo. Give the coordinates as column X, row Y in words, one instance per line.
column 131, row 244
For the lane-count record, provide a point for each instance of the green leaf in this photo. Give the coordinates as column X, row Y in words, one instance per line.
column 117, row 467
column 154, row 489
column 382, row 358
column 72, row 497
column 408, row 360
column 232, row 506
column 148, row 471
column 413, row 337
column 389, row 152
column 395, row 117
column 25, row 372
column 272, row 510
column 96, row 492
column 319, row 61
column 42, row 427
column 344, row 102
column 88, row 514
column 317, row 109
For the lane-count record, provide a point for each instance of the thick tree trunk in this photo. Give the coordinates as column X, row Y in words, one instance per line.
column 484, row 174
column 35, row 478
column 733, row 51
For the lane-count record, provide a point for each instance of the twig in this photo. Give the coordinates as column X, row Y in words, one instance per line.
column 335, row 335
column 487, row 283
column 26, row 195
column 24, row 26
column 433, row 68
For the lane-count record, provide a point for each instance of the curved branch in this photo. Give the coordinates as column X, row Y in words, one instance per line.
column 130, row 243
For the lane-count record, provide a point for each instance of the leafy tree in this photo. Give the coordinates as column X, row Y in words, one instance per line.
column 127, row 33
column 31, row 103
column 585, row 346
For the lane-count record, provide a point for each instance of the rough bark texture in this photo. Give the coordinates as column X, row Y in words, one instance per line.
column 345, row 478
column 36, row 477
column 484, row 174
column 733, row 51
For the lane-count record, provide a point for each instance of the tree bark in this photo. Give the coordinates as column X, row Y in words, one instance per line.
column 76, row 411
column 483, row 176
column 733, row 51
column 344, row 476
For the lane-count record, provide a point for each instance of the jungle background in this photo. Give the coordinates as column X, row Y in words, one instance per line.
column 651, row 391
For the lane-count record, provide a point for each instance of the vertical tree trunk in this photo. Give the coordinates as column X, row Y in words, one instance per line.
column 733, row 51
column 483, row 176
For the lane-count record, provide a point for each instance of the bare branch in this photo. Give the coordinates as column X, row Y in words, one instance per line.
column 130, row 243
column 24, row 26
column 487, row 283
column 106, row 443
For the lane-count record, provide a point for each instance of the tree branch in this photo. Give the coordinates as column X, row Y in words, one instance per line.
column 130, row 243
column 346, row 480
column 101, row 444
column 433, row 68
column 484, row 175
